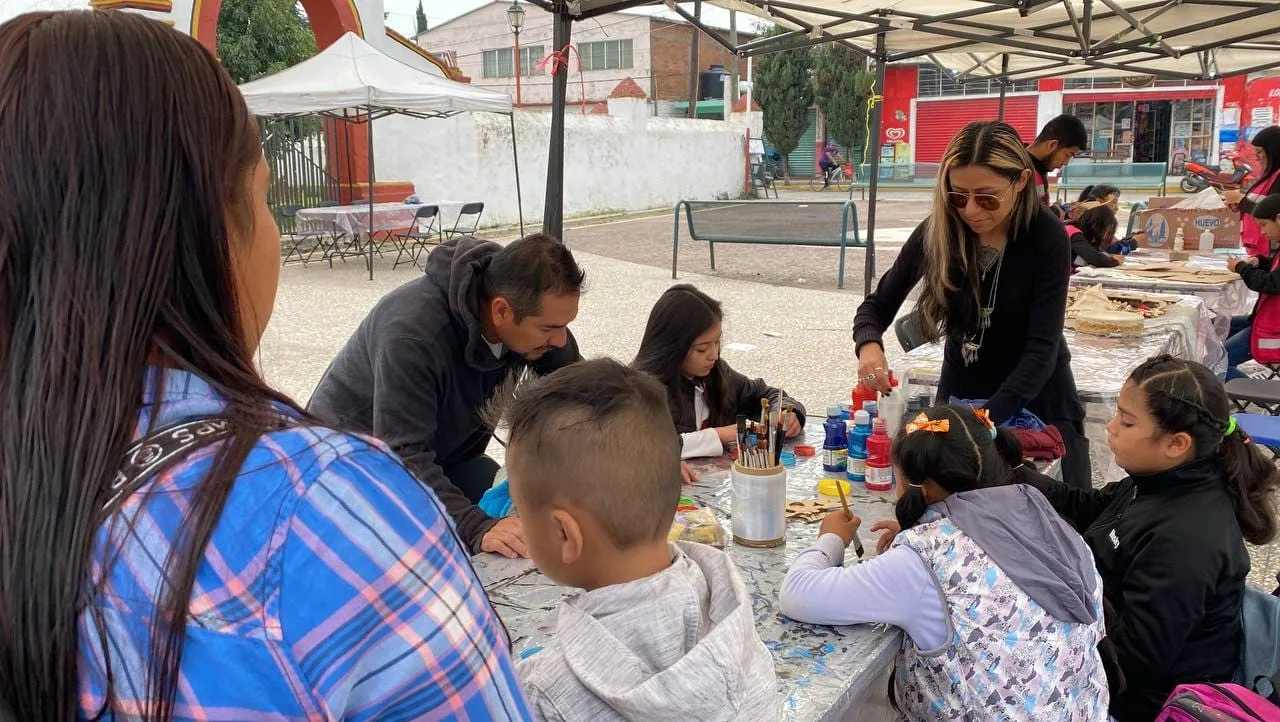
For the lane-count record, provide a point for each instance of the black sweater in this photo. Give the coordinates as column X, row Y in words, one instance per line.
column 1173, row 566
column 417, row 372
column 743, row 398
column 1024, row 361
column 1083, row 249
column 1260, row 279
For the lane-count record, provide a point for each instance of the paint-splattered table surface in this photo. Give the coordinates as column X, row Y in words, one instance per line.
column 822, row 671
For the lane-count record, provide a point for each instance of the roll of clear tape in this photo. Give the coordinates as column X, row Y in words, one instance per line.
column 759, row 506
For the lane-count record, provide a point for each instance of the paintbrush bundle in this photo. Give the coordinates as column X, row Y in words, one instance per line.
column 760, row 442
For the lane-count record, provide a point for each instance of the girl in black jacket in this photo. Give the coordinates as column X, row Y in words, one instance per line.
column 681, row 347
column 1169, row 540
column 1091, row 236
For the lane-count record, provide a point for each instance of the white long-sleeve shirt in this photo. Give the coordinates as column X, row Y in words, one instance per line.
column 705, row 442
column 893, row 588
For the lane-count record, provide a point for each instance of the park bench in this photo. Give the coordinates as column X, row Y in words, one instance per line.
column 831, row 224
column 1080, row 174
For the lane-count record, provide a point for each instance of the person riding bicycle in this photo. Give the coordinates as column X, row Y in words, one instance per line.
column 829, row 162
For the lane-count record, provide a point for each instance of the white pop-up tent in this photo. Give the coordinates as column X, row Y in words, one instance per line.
column 351, row 80
column 1005, row 39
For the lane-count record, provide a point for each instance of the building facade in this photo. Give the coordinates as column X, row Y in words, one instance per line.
column 652, row 51
column 1141, row 120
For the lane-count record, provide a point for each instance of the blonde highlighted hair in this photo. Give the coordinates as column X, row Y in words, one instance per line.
column 949, row 304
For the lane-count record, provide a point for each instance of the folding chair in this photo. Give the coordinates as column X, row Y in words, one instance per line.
column 290, row 239
column 908, row 331
column 1264, row 430
column 468, row 221
column 410, row 244
column 1263, row 393
column 325, row 235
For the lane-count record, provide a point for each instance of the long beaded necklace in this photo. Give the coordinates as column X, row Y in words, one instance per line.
column 973, row 342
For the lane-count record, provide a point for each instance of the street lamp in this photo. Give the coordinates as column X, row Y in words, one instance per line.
column 515, row 18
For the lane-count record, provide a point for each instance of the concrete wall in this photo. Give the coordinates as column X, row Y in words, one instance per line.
column 611, row 163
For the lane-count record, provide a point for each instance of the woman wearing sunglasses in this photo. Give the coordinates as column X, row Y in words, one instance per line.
column 994, row 265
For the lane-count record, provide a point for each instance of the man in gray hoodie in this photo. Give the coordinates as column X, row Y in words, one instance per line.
column 433, row 353
column 661, row 631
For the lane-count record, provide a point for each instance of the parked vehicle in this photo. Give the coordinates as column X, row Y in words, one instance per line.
column 1200, row 176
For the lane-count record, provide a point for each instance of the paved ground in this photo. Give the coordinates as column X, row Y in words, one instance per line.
column 786, row 321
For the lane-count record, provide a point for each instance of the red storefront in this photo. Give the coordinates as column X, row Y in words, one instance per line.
column 1140, row 120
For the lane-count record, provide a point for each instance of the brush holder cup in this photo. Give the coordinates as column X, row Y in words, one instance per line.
column 759, row 506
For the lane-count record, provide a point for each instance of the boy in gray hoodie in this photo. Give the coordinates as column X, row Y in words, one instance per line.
column 661, row 631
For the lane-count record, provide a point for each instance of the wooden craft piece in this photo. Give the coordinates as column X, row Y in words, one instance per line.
column 809, row 510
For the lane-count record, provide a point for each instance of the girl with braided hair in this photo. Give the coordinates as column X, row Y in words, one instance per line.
column 1169, row 539
column 998, row 597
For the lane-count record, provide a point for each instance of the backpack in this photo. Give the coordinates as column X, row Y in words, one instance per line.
column 1216, row 703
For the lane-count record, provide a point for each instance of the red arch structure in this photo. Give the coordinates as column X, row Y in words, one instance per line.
column 330, row 20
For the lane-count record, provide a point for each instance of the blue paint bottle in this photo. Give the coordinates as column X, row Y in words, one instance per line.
column 836, row 445
column 857, row 461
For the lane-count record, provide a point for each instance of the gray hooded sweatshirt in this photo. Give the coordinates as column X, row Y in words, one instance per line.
column 680, row 644
column 417, row 372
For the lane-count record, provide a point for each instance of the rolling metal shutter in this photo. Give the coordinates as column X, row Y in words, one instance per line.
column 803, row 161
column 938, row 121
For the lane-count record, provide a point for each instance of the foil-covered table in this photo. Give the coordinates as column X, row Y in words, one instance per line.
column 1223, row 300
column 823, row 672
column 1102, row 365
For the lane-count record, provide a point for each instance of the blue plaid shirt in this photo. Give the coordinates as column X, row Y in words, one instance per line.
column 333, row 588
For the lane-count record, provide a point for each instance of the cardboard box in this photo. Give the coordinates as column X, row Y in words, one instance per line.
column 1160, row 224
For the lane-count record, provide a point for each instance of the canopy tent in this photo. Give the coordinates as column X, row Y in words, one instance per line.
column 1005, row 39
column 351, row 80
column 351, row 75
column 1191, row 39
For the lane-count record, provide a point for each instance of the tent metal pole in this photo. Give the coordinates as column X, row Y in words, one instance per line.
column 874, row 144
column 515, row 157
column 553, row 213
column 368, row 119
column 1004, row 80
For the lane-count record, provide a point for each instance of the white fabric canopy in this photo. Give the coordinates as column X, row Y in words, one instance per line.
column 1173, row 38
column 350, row 76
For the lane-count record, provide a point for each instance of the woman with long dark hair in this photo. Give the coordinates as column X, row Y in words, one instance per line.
column 681, row 347
column 177, row 539
column 1266, row 145
column 994, row 265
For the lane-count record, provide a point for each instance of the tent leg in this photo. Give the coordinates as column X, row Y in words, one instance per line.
column 876, row 130
column 553, row 213
column 1004, row 80
column 368, row 119
column 515, row 157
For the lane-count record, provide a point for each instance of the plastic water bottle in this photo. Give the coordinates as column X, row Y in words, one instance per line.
column 835, row 448
column 1206, row 240
column 879, row 460
column 858, row 447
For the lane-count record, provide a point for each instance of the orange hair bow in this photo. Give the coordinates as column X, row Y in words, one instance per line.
column 984, row 416
column 924, row 423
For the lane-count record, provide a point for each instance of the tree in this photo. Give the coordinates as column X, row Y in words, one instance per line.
column 841, row 87
column 260, row 37
column 420, row 20
column 783, row 89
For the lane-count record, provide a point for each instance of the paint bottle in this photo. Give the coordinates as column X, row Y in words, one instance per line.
column 862, row 394
column 1178, row 241
column 879, row 462
column 858, row 447
column 835, row 447
column 872, row 408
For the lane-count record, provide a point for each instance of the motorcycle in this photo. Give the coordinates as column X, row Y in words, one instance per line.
column 1200, row 176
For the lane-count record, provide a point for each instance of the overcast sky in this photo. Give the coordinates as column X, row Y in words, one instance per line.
column 400, row 13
